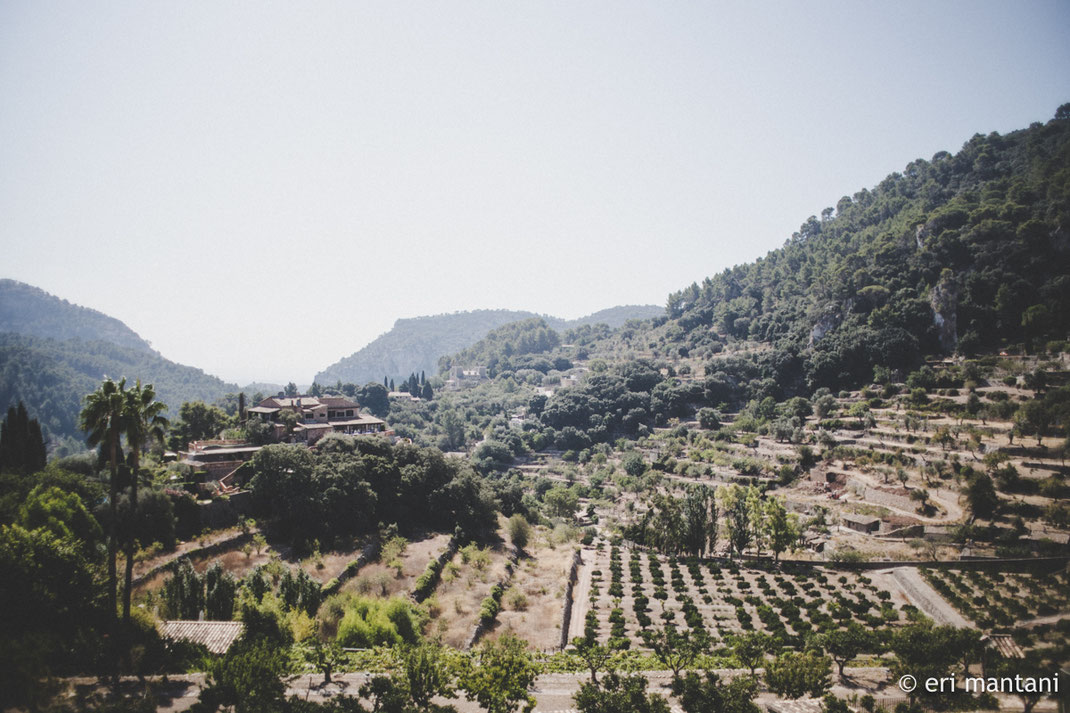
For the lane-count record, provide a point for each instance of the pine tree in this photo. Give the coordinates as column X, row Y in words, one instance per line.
column 391, row 384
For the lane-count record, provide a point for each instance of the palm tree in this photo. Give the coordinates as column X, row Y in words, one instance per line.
column 142, row 421
column 102, row 419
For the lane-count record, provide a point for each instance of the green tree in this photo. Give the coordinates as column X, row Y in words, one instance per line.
column 375, row 398
column 501, row 675
column 676, row 649
column 427, row 675
column 561, row 501
column 750, row 649
column 247, row 679
column 61, row 513
column 103, row 420
column 453, row 428
column 220, row 589
column 197, row 421
column 634, row 464
column 22, row 446
column 519, row 531
column 709, row 694
column 326, row 656
column 1033, row 418
column 184, row 593
column 50, row 605
column 845, row 644
column 794, row 675
column 143, row 421
column 700, row 521
column 1030, row 667
column 981, row 496
column 783, row 527
column 708, row 419
column 595, row 656
column 732, row 499
column 924, row 651
column 619, row 694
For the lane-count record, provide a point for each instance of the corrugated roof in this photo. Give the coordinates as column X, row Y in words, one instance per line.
column 1006, row 646
column 216, row 636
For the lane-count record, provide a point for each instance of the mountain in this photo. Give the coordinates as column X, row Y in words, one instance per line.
column 52, row 353
column 612, row 317
column 965, row 255
column 960, row 254
column 415, row 345
column 25, row 309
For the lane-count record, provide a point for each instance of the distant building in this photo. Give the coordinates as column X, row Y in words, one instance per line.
column 218, row 460
column 316, row 417
column 861, row 523
column 460, row 378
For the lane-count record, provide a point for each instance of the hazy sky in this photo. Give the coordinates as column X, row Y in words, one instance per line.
column 262, row 188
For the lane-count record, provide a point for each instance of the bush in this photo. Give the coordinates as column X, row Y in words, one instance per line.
column 519, row 531
column 370, row 622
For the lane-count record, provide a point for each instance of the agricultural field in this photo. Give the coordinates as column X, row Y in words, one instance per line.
column 1003, row 601
column 635, row 590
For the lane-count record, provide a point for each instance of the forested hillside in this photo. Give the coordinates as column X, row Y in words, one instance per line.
column 415, row 345
column 53, row 376
column 962, row 253
column 25, row 309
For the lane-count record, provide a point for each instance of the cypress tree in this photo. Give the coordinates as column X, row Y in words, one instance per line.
column 22, row 444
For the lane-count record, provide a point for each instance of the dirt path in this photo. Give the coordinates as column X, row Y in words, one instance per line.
column 927, row 599
column 581, row 594
column 947, row 499
column 1041, row 620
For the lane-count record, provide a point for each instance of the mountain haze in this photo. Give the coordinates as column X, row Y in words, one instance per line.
column 25, row 309
column 52, row 353
column 415, row 345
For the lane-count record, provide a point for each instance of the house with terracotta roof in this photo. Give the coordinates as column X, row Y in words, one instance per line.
column 316, row 417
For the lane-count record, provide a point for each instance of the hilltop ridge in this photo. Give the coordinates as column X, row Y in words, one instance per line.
column 416, row 344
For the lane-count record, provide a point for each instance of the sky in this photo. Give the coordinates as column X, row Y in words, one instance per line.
column 261, row 188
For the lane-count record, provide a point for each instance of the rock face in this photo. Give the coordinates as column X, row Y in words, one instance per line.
column 944, row 300
column 921, row 234
column 824, row 324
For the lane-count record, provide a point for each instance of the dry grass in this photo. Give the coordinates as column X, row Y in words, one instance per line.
column 540, row 580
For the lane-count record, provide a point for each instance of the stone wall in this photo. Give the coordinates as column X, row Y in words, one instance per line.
column 566, row 617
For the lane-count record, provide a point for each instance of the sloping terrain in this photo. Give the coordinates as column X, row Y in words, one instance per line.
column 415, row 345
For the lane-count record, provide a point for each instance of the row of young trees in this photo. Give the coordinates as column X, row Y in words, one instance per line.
column 691, row 525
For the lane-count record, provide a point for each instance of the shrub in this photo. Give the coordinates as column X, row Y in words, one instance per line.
column 370, row 622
